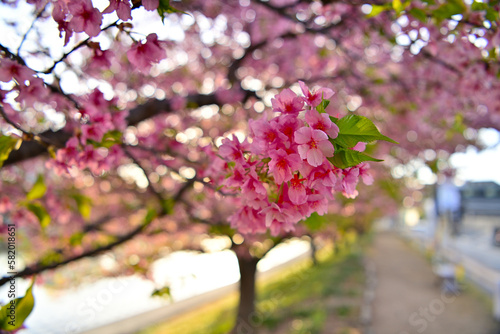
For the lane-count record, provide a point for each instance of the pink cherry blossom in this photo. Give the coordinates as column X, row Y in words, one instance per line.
column 287, row 102
column 364, row 173
column 91, row 159
column 281, row 218
column 313, row 145
column 66, row 157
column 92, row 131
column 253, row 190
column 297, row 191
column 322, row 122
column 39, row 4
column 360, row 147
column 143, row 55
column 35, row 91
column 5, row 205
column 322, row 180
column 102, row 58
column 233, row 149
column 288, row 124
column 122, row 7
column 314, row 98
column 237, row 178
column 349, row 182
column 150, row 4
column 283, row 164
column 85, row 18
column 59, row 13
column 266, row 135
column 317, row 203
column 10, row 69
column 248, row 220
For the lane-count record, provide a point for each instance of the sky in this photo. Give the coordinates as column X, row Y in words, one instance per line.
column 474, row 165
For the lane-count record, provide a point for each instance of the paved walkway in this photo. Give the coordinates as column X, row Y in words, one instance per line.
column 408, row 299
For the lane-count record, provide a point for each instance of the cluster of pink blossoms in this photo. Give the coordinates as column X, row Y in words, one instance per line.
column 81, row 15
column 95, row 124
column 283, row 174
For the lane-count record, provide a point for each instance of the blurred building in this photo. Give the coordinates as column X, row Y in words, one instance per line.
column 481, row 198
column 480, row 203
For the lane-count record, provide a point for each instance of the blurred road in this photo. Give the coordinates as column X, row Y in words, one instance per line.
column 409, row 299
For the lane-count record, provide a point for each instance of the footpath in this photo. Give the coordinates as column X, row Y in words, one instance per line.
column 409, row 299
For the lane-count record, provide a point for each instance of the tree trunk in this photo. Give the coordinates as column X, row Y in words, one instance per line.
column 247, row 320
column 313, row 250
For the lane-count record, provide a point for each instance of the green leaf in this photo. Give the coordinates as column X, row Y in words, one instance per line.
column 40, row 212
column 221, row 229
column 399, row 6
column 7, row 144
column 448, row 9
column 20, row 308
column 111, row 138
column 84, row 205
column 492, row 15
column 165, row 8
column 150, row 215
column 354, row 129
column 162, row 292
column 344, row 158
column 315, row 222
column 38, row 190
column 493, row 54
column 321, row 108
column 76, row 239
column 477, row 6
column 418, row 14
column 50, row 257
column 377, row 9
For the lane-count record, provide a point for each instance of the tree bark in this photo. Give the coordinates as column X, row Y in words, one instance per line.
column 247, row 320
column 313, row 250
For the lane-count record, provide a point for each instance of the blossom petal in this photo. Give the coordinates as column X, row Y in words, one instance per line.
column 326, row 93
column 303, row 151
column 319, row 135
column 326, row 147
column 333, row 132
column 302, row 135
column 315, row 157
column 297, row 193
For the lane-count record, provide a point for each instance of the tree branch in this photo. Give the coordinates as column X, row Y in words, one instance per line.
column 76, row 47
column 40, row 267
column 32, row 149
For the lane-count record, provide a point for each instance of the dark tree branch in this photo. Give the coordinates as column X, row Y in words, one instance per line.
column 151, row 188
column 12, row 123
column 41, row 267
column 38, row 15
column 76, row 47
column 11, row 55
column 32, row 149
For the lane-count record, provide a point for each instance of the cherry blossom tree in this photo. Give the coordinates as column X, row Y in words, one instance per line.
column 161, row 123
